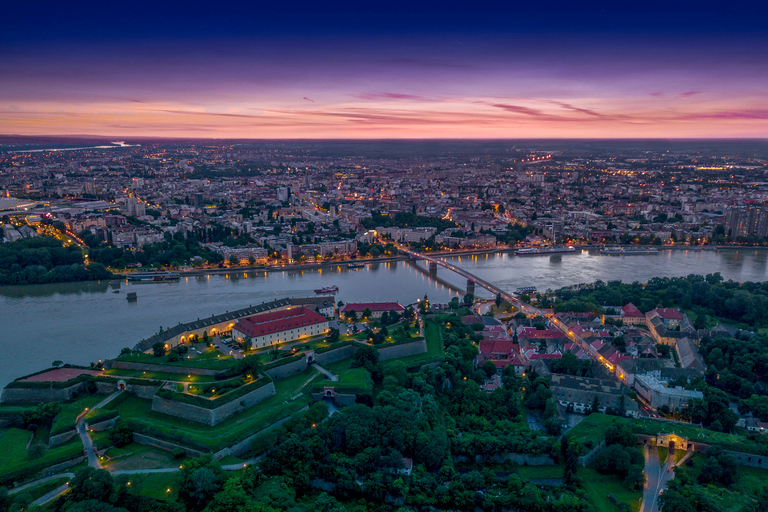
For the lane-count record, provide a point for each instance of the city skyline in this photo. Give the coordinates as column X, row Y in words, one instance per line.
column 387, row 71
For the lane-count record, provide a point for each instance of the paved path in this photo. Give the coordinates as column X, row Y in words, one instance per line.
column 40, row 481
column 332, row 376
column 42, row 500
column 90, row 451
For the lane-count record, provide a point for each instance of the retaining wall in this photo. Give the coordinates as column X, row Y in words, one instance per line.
column 62, row 438
column 404, row 350
column 215, row 416
column 164, row 445
column 102, row 425
column 58, row 468
column 166, row 368
column 586, row 459
column 286, row 370
column 34, row 395
column 335, row 355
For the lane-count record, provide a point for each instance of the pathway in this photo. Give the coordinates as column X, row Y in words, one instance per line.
column 90, row 451
column 331, row 376
column 40, row 481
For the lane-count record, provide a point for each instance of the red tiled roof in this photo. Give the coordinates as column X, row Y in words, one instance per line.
column 539, row 335
column 631, row 311
column 279, row 321
column 668, row 313
column 373, row 306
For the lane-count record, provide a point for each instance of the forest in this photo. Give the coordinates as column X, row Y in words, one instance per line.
column 44, row 259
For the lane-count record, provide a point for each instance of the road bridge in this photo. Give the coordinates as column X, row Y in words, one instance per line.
column 473, row 280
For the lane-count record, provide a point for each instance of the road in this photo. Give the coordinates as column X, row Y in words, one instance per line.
column 656, row 478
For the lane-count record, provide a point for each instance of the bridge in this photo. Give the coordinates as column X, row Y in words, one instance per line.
column 473, row 280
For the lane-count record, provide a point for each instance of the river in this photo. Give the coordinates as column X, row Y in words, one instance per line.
column 80, row 323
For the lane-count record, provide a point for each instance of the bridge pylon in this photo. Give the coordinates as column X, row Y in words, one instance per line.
column 471, row 287
column 432, row 268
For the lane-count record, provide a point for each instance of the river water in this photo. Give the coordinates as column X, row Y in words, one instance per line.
column 80, row 323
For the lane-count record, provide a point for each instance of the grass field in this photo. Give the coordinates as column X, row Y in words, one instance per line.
column 176, row 377
column 663, row 454
column 230, row 431
column 156, row 485
column 600, row 487
column 594, row 427
column 211, row 359
column 538, row 472
column 16, row 462
column 434, row 346
column 65, row 420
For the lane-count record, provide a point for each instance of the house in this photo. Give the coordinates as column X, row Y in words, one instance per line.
column 377, row 308
column 503, row 353
column 670, row 317
column 631, row 315
column 279, row 327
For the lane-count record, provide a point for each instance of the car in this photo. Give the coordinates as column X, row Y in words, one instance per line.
column 669, row 469
column 661, row 492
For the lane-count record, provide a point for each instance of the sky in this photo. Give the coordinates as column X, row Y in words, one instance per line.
column 380, row 70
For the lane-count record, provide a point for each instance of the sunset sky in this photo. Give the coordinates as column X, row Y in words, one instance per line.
column 386, row 69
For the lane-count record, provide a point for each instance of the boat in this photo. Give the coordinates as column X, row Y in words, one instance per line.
column 355, row 265
column 131, row 296
column 525, row 290
column 533, row 251
column 628, row 251
column 328, row 289
column 153, row 277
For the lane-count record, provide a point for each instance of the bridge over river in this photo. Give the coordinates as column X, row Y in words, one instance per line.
column 473, row 280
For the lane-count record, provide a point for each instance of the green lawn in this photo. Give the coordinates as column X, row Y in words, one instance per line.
column 539, row 472
column 663, row 454
column 156, row 485
column 16, row 464
column 434, row 346
column 65, row 420
column 593, row 429
column 177, row 377
column 230, row 431
column 356, row 377
column 211, row 359
column 599, row 487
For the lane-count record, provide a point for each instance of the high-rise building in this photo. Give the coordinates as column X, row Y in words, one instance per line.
column 135, row 208
column 747, row 221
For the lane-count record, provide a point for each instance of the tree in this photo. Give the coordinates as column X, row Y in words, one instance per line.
column 595, row 404
column 469, row 298
column 365, row 356
column 57, row 363
column 91, row 484
column 121, row 434
column 367, row 313
column 499, row 300
column 199, row 486
column 489, row 368
column 720, row 468
column 158, row 349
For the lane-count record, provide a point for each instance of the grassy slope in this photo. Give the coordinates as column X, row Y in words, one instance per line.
column 593, row 429
column 240, row 426
column 14, row 441
column 65, row 420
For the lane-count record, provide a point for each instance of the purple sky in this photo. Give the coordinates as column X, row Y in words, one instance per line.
column 548, row 82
